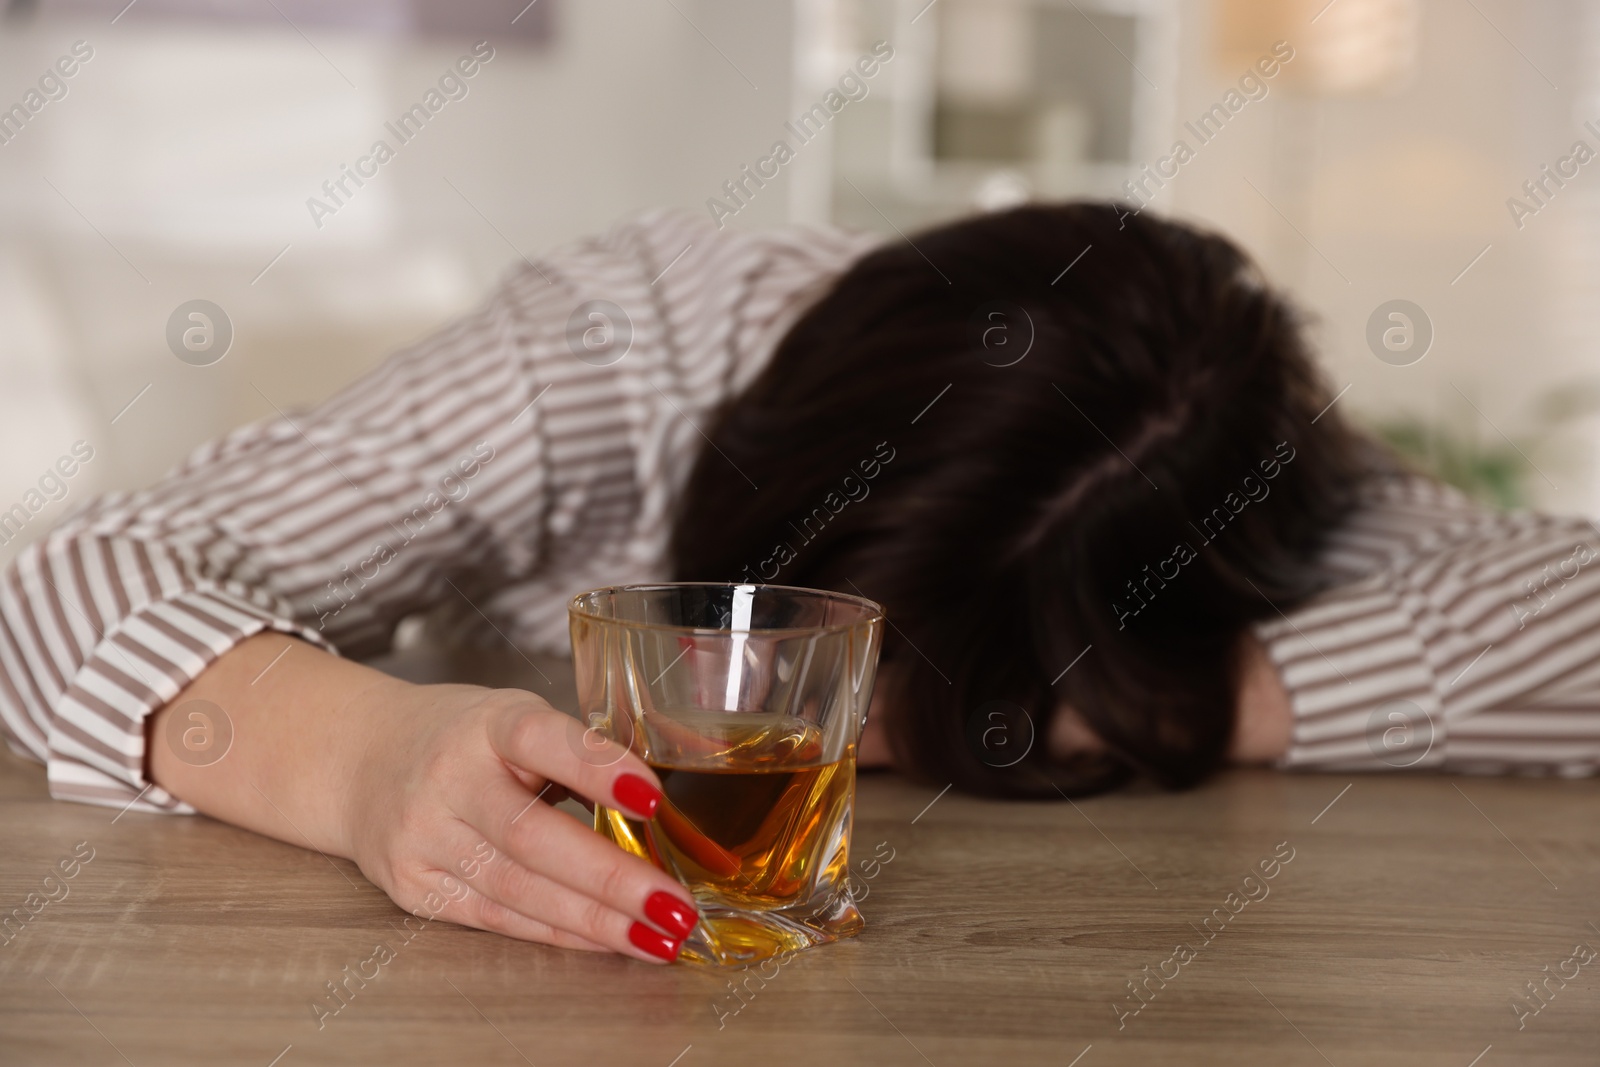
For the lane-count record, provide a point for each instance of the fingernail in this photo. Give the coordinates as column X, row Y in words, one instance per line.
column 636, row 794
column 670, row 913
column 657, row 944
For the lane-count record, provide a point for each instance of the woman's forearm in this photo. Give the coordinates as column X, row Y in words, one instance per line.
column 297, row 728
column 442, row 794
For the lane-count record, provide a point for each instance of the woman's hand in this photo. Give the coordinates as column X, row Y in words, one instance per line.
column 450, row 813
column 442, row 794
column 1263, row 720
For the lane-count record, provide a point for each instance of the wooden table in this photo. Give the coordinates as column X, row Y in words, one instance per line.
column 1413, row 910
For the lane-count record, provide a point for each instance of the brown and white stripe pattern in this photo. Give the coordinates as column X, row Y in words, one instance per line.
column 1488, row 623
column 338, row 523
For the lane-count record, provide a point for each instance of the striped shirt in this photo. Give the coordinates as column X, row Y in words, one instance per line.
column 534, row 448
column 1459, row 638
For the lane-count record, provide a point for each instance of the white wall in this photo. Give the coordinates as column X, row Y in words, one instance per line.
column 1400, row 191
column 181, row 160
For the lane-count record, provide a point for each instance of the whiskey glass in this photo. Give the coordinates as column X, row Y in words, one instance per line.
column 748, row 702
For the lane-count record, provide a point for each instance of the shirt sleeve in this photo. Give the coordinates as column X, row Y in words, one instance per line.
column 533, row 435
column 1460, row 639
column 329, row 525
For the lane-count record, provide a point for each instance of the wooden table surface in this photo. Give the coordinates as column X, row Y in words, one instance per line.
column 1412, row 912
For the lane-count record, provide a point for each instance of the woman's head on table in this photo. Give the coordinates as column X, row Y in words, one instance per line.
column 937, row 433
column 1080, row 455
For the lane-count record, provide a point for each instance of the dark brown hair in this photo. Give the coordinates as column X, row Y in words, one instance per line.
column 1033, row 507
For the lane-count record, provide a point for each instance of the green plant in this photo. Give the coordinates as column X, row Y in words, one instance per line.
column 1460, row 451
column 1494, row 473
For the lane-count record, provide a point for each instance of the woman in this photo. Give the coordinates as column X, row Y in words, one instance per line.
column 1081, row 457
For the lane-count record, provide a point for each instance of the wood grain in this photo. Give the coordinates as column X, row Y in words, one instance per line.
column 1413, row 910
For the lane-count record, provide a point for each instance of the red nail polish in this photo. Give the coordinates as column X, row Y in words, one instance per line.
column 658, row 945
column 670, row 913
column 636, row 794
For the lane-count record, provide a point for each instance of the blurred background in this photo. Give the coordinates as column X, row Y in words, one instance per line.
column 1385, row 161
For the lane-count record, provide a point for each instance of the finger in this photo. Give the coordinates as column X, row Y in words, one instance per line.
column 507, row 885
column 548, row 843
column 551, row 793
column 482, row 912
column 455, row 890
column 557, row 747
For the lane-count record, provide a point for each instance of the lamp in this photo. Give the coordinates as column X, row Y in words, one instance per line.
column 1342, row 47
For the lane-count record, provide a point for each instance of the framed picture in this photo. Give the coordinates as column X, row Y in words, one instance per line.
column 529, row 21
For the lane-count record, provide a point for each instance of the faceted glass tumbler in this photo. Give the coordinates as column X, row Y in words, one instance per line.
column 748, row 702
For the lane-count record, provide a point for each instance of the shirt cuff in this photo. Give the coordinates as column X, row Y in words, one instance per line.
column 1363, row 693
column 96, row 743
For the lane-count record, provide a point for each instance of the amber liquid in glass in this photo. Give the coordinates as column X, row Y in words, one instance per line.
column 762, row 826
